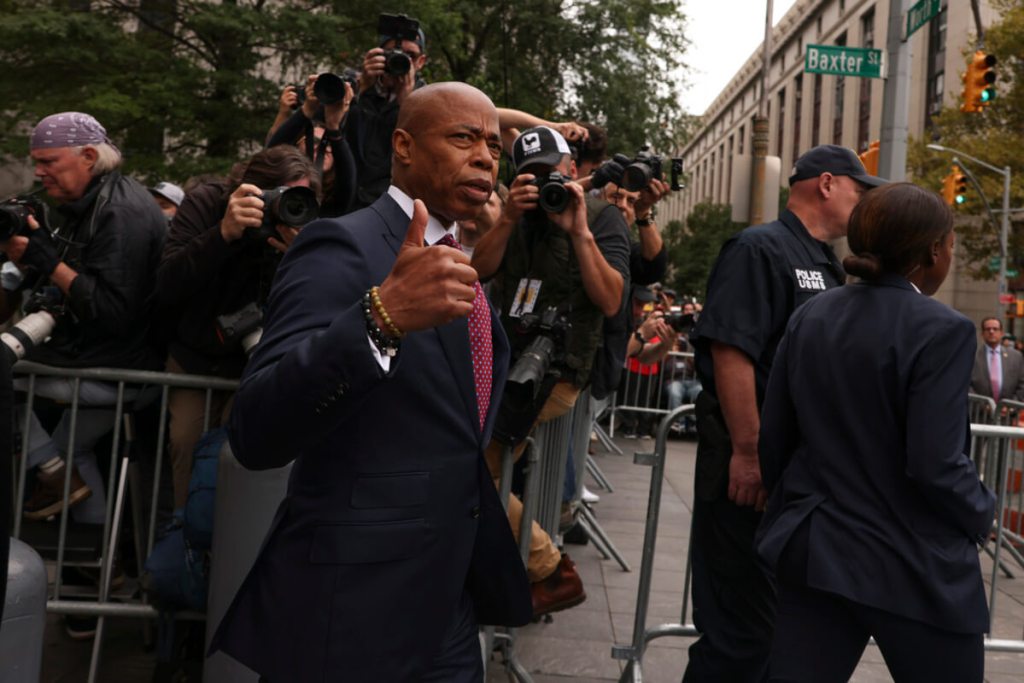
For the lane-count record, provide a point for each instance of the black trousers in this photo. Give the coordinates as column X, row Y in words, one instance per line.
column 820, row 637
column 733, row 602
column 460, row 659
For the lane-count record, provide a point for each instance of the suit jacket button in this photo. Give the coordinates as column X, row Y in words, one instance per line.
column 475, row 512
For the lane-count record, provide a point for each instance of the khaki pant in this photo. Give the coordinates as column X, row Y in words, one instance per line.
column 187, row 407
column 544, row 556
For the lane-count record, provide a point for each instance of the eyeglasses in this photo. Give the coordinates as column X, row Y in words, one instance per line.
column 992, row 329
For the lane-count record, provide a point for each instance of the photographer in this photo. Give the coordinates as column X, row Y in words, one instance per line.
column 382, row 90
column 649, row 344
column 567, row 262
column 221, row 255
column 316, row 127
column 94, row 276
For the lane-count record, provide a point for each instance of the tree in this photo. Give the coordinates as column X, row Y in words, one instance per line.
column 693, row 248
column 996, row 136
column 190, row 86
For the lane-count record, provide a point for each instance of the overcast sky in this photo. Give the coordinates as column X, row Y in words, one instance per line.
column 723, row 34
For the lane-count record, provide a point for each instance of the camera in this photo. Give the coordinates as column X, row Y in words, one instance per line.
column 554, row 196
column 329, row 88
column 14, row 213
column 635, row 174
column 291, row 206
column 680, row 322
column 397, row 27
column 244, row 327
column 533, row 375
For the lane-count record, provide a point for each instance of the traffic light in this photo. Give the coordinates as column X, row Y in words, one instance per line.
column 869, row 158
column 949, row 187
column 959, row 185
column 979, row 83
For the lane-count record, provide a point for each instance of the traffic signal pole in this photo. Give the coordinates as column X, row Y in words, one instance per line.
column 1004, row 227
column 892, row 157
column 759, row 144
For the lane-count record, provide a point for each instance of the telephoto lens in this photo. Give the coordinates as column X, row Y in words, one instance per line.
column 291, row 206
column 554, row 196
column 30, row 332
column 396, row 63
column 329, row 88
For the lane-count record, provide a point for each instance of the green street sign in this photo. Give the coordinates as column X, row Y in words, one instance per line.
column 920, row 14
column 1012, row 273
column 839, row 60
column 993, row 263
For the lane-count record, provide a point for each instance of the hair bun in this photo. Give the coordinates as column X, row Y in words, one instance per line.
column 865, row 266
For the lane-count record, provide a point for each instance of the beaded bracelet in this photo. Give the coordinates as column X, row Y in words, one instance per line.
column 379, row 307
column 385, row 344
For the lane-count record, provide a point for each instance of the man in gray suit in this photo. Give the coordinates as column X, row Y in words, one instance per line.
column 998, row 370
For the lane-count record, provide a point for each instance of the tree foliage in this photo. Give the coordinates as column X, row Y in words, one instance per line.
column 995, row 136
column 190, row 86
column 693, row 248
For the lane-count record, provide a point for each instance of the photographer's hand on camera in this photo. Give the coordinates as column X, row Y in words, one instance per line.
column 288, row 101
column 38, row 250
column 427, row 286
column 574, row 219
column 373, row 68
column 649, row 196
column 287, row 235
column 310, row 104
column 245, row 210
column 335, row 113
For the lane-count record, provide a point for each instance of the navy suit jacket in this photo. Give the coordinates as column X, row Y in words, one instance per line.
column 390, row 512
column 864, row 432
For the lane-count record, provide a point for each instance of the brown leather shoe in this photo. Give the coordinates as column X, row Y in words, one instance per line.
column 47, row 499
column 561, row 590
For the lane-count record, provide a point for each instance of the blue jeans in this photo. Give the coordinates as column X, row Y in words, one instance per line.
column 682, row 391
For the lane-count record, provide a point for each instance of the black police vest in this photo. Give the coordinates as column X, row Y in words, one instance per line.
column 544, row 252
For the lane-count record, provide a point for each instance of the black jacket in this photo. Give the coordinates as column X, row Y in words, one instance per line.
column 114, row 235
column 201, row 277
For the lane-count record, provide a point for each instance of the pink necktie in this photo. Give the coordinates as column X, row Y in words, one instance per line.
column 993, row 373
column 479, row 341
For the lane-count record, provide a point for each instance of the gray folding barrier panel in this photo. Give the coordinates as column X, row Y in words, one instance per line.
column 24, row 616
column 246, row 503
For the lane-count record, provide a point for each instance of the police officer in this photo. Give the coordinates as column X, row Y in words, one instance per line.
column 762, row 274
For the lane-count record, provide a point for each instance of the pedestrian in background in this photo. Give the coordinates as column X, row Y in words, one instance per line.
column 875, row 509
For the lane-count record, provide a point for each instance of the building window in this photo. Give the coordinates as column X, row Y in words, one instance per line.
column 842, row 7
column 867, row 23
column 799, row 47
column 936, row 84
column 722, row 190
column 798, row 99
column 816, row 114
column 728, row 172
column 838, row 100
column 818, row 26
column 780, row 128
column 742, row 138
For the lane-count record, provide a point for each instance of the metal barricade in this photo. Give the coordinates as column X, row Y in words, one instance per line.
column 642, row 390
column 143, row 388
column 993, row 450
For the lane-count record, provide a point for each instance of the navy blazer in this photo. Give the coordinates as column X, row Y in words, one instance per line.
column 864, row 431
column 390, row 512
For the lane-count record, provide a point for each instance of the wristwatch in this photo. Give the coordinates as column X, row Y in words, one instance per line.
column 639, row 337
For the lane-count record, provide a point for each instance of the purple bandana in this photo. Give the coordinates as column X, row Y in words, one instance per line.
column 68, row 129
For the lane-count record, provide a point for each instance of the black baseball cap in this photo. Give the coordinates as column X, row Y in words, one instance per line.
column 539, row 145
column 644, row 294
column 835, row 160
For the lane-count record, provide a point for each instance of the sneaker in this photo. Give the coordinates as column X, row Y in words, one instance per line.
column 47, row 499
column 80, row 628
column 561, row 590
column 92, row 574
column 590, row 497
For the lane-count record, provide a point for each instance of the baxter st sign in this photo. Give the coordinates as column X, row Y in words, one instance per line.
column 839, row 60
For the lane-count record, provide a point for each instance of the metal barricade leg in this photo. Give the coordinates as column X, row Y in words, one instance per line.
column 594, row 531
column 634, row 652
column 598, row 475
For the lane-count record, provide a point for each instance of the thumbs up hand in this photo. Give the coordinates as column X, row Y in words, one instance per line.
column 427, row 286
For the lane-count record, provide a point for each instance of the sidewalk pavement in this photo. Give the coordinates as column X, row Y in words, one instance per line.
column 576, row 645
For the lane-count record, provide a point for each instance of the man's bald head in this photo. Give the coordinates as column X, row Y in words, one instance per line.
column 446, row 148
column 427, row 102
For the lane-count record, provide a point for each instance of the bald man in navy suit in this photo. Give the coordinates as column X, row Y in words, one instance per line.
column 391, row 544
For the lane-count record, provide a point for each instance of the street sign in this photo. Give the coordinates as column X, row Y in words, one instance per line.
column 1007, row 298
column 993, row 263
column 920, row 14
column 839, row 60
column 1012, row 273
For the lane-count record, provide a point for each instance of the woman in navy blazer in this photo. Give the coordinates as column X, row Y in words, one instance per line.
column 874, row 508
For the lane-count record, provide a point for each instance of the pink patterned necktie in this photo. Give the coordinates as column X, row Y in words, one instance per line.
column 479, row 341
column 993, row 373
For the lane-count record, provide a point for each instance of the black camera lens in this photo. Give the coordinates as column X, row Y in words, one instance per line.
column 553, row 197
column 13, row 221
column 294, row 206
column 329, row 88
column 396, row 63
column 636, row 177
